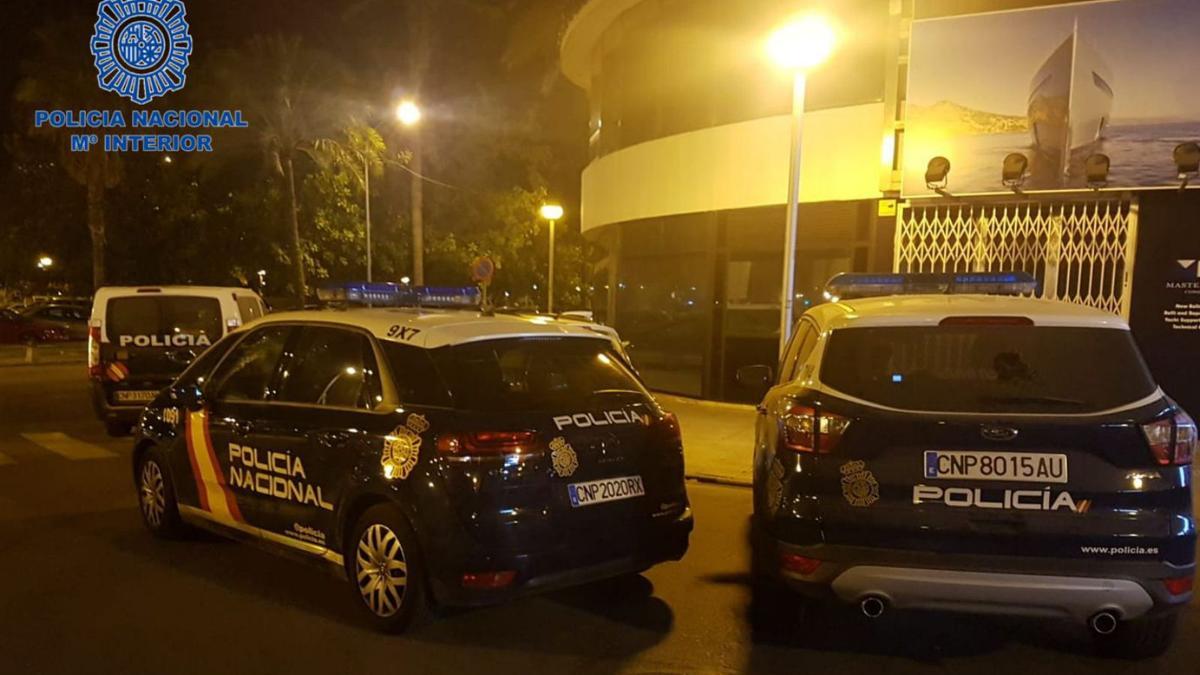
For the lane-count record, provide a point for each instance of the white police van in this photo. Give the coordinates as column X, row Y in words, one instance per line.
column 141, row 338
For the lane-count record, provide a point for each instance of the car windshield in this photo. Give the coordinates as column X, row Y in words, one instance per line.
column 975, row 368
column 163, row 315
column 527, row 375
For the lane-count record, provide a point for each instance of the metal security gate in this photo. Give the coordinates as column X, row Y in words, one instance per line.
column 1080, row 251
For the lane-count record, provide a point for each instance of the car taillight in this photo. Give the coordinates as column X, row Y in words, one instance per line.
column 1178, row 585
column 1172, row 440
column 481, row 443
column 666, row 429
column 807, row 429
column 94, row 367
column 798, row 564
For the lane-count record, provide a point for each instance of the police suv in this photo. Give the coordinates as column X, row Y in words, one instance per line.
column 432, row 456
column 926, row 445
column 141, row 338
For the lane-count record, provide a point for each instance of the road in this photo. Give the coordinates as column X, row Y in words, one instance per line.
column 84, row 589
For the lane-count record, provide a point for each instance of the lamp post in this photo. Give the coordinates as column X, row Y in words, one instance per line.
column 408, row 113
column 799, row 46
column 552, row 213
column 45, row 262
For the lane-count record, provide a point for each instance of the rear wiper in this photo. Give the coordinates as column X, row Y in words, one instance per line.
column 1033, row 400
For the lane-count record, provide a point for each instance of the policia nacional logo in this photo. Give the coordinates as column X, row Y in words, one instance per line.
column 563, row 457
column 859, row 486
column 141, row 48
column 402, row 448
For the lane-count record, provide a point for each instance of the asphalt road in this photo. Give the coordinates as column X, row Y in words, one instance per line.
column 83, row 589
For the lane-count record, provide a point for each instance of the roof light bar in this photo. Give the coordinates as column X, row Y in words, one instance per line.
column 395, row 295
column 846, row 286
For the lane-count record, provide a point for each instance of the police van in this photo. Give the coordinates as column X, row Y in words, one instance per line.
column 141, row 338
column 939, row 442
column 431, row 456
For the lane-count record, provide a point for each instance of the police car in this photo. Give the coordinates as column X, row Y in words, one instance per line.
column 926, row 445
column 432, row 456
column 141, row 338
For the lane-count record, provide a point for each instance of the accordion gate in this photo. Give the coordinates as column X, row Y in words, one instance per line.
column 1080, row 251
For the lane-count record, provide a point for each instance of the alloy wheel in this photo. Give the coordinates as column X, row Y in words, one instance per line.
column 154, row 500
column 381, row 570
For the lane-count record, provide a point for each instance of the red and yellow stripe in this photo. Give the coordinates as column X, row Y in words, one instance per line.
column 215, row 496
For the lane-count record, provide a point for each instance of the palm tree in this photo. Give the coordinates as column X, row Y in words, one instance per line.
column 290, row 95
column 55, row 78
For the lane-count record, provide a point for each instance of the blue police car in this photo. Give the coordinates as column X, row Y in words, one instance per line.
column 431, row 456
column 941, row 442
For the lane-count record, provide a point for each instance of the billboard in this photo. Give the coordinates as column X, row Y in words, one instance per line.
column 1058, row 85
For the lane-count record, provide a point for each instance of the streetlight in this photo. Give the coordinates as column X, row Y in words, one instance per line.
column 552, row 213
column 45, row 262
column 409, row 114
column 799, row 46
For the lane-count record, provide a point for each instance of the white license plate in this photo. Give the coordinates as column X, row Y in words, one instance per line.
column 607, row 490
column 135, row 396
column 1028, row 467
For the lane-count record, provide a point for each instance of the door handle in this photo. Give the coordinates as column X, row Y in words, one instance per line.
column 243, row 428
column 332, row 438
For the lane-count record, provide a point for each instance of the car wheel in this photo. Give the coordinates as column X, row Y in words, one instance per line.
column 156, row 497
column 385, row 568
column 117, row 429
column 1141, row 638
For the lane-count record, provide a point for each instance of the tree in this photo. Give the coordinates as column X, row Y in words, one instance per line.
column 54, row 77
column 290, row 94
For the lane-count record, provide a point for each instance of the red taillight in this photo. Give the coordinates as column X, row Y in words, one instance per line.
column 1179, row 585
column 488, row 580
column 1172, row 440
column 476, row 443
column 986, row 321
column 798, row 564
column 95, row 370
column 807, row 429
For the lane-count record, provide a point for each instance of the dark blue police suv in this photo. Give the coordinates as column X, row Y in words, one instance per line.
column 433, row 457
column 926, row 445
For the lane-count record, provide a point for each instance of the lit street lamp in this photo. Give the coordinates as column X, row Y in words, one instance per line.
column 45, row 262
column 552, row 213
column 409, row 114
column 799, row 46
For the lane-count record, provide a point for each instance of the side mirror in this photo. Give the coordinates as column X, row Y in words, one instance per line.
column 188, row 396
column 754, row 377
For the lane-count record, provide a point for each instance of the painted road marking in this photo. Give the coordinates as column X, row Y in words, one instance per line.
column 64, row 445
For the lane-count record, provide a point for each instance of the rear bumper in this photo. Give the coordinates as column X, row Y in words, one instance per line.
column 1077, row 598
column 1023, row 586
column 557, row 569
column 107, row 412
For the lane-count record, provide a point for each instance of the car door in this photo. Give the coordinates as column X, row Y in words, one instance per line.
column 232, row 479
column 327, row 414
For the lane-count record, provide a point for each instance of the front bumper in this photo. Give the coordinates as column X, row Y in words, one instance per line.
column 562, row 568
column 1023, row 586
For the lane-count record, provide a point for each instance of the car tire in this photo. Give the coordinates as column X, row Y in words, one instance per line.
column 117, row 429
column 1142, row 638
column 386, row 570
column 156, row 497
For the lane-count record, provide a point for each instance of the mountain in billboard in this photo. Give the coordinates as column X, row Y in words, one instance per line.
column 952, row 118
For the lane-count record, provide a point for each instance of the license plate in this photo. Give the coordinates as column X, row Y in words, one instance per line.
column 607, row 490
column 135, row 396
column 1007, row 466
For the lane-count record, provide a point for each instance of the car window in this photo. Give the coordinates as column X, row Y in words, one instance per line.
column 416, row 378
column 141, row 316
column 331, row 367
column 975, row 368
column 249, row 370
column 788, row 366
column 249, row 307
column 806, row 349
column 537, row 375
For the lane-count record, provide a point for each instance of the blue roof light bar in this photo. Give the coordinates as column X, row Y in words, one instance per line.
column 848, row 285
column 395, row 295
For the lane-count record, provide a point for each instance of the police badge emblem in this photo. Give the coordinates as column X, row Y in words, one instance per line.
column 859, row 486
column 563, row 457
column 141, row 48
column 402, row 447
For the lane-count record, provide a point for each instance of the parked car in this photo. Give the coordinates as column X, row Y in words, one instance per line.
column 70, row 319
column 16, row 329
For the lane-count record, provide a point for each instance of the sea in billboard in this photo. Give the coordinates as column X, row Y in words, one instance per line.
column 1058, row 85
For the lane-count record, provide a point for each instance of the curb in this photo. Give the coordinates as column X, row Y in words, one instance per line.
column 718, row 480
column 734, row 407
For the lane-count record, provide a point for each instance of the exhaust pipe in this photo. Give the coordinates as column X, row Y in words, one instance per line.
column 873, row 606
column 1103, row 623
